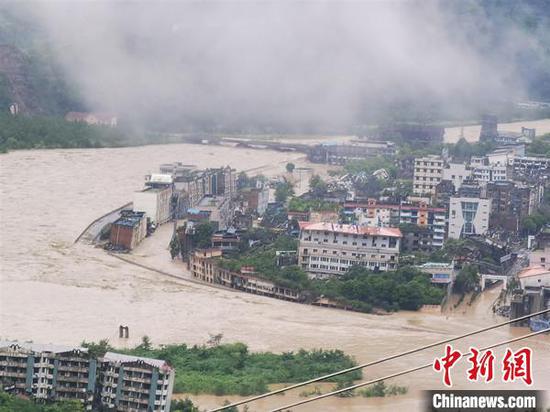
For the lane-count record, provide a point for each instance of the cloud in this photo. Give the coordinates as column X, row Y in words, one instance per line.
column 285, row 64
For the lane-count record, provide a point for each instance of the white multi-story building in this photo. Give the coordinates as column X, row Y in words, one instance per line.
column 428, row 172
column 490, row 173
column 328, row 249
column 155, row 202
column 456, row 173
column 468, row 216
column 529, row 165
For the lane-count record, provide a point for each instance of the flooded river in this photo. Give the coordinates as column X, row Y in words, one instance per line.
column 54, row 291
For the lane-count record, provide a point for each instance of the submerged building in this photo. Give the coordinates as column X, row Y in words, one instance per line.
column 48, row 372
column 114, row 382
column 132, row 383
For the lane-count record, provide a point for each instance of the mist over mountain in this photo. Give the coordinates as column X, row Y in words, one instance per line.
column 274, row 66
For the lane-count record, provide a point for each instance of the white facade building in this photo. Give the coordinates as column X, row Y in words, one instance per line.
column 428, row 172
column 456, row 173
column 155, row 202
column 328, row 249
column 468, row 216
column 490, row 173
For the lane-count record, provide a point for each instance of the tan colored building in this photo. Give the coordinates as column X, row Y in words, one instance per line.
column 328, row 249
column 428, row 172
column 204, row 265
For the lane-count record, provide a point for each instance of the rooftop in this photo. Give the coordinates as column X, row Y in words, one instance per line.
column 120, row 358
column 534, row 271
column 351, row 229
column 39, row 347
column 130, row 220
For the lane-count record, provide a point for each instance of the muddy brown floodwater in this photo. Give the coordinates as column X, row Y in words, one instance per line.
column 54, row 291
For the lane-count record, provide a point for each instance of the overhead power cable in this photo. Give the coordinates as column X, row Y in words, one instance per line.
column 376, row 362
column 428, row 365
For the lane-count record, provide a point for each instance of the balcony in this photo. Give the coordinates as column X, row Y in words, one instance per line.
column 136, row 379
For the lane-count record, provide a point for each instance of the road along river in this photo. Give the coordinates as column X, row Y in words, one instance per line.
column 54, row 291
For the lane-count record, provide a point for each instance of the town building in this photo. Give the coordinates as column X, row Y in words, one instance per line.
column 355, row 150
column 540, row 257
column 129, row 229
column 258, row 198
column 470, row 188
column 428, row 172
column 48, row 372
column 135, row 384
column 177, row 170
column 504, row 155
column 456, row 173
column 531, row 166
column 511, row 202
column 468, row 216
column 155, row 202
column 204, row 265
column 220, row 210
column 227, row 241
column 431, row 221
column 327, row 249
column 534, row 277
column 412, row 133
column 115, row 382
column 442, row 273
column 196, row 184
column 100, row 119
column 490, row 173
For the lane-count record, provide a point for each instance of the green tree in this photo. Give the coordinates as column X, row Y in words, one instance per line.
column 97, row 350
column 283, row 190
column 290, row 167
column 175, row 247
column 202, row 238
column 467, row 279
column 317, row 186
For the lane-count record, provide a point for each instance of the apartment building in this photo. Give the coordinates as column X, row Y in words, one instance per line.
column 511, row 202
column 328, row 249
column 531, row 166
column 115, row 382
column 428, row 172
column 135, row 384
column 203, row 264
column 433, row 219
column 48, row 372
column 490, row 173
column 468, row 216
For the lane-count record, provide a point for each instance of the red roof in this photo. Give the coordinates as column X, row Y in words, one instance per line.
column 351, row 229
